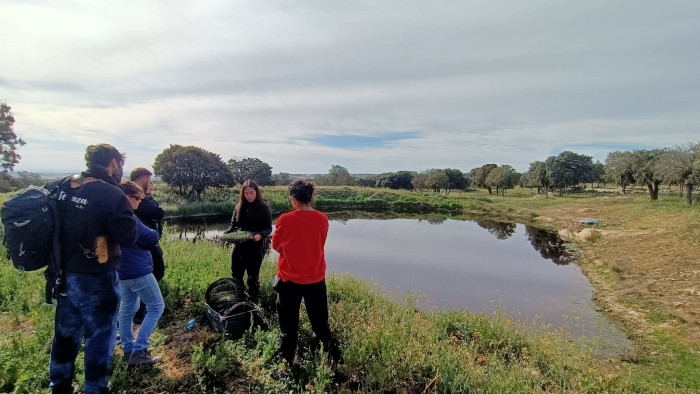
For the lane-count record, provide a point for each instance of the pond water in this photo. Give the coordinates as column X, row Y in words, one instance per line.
column 479, row 265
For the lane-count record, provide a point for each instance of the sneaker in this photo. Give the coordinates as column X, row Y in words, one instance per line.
column 143, row 358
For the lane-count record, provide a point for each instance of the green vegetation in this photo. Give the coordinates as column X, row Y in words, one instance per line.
column 222, row 200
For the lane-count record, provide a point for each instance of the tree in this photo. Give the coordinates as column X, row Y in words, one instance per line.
column 283, row 178
column 568, row 169
column 680, row 166
column 455, row 179
column 9, row 142
column 502, row 178
column 192, row 167
column 420, row 181
column 251, row 168
column 480, row 175
column 536, row 176
column 365, row 181
column 619, row 169
column 646, row 171
column 598, row 175
column 339, row 176
column 9, row 183
column 396, row 180
column 437, row 179
column 31, row 178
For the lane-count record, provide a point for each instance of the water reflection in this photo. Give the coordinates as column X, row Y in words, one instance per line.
column 501, row 230
column 550, row 246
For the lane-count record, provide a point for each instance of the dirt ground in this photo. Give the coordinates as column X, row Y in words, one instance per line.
column 643, row 261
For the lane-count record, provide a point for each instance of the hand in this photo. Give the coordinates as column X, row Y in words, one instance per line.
column 257, row 237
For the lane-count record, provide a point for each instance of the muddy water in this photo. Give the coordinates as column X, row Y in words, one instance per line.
column 478, row 265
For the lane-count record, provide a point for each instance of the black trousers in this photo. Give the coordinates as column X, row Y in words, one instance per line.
column 289, row 296
column 247, row 257
column 158, row 263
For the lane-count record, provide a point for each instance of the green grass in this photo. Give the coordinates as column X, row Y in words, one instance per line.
column 387, row 346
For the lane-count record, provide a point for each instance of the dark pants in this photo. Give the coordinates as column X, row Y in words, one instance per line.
column 248, row 257
column 87, row 312
column 158, row 263
column 289, row 296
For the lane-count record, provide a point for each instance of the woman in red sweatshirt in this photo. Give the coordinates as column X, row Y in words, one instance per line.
column 299, row 237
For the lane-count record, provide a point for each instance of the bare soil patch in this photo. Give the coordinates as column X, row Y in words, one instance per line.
column 644, row 263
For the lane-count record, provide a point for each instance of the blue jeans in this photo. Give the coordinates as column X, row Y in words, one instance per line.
column 144, row 288
column 86, row 312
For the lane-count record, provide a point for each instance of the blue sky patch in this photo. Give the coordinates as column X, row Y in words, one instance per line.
column 361, row 141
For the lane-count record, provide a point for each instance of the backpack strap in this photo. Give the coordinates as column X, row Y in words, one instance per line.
column 81, row 180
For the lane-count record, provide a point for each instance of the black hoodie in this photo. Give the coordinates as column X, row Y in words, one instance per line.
column 96, row 218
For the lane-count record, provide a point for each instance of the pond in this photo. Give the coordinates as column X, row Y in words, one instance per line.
column 480, row 265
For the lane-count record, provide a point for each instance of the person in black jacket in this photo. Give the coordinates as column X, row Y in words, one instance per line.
column 95, row 219
column 150, row 214
column 252, row 213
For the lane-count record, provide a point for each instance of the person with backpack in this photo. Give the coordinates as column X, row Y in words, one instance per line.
column 137, row 282
column 95, row 219
column 252, row 213
column 150, row 214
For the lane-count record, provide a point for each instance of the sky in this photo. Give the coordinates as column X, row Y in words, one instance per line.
column 373, row 86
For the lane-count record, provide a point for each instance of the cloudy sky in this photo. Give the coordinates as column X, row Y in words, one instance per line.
column 373, row 86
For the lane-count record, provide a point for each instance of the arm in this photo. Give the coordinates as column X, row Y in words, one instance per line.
column 149, row 209
column 234, row 223
column 266, row 218
column 147, row 238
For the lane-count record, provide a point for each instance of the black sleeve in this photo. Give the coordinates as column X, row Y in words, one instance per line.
column 234, row 224
column 149, row 210
column 121, row 223
column 267, row 221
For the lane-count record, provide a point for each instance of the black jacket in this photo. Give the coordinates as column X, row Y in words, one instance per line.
column 151, row 214
column 254, row 217
column 95, row 219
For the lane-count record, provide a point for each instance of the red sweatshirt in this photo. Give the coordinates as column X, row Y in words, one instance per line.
column 299, row 238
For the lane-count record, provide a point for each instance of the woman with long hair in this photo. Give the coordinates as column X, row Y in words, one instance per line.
column 252, row 213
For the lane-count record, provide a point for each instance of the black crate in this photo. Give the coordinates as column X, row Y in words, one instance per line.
column 234, row 326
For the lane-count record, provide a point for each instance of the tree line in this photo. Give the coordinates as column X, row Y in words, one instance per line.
column 190, row 170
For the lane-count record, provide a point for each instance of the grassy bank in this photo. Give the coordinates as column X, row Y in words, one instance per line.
column 223, row 200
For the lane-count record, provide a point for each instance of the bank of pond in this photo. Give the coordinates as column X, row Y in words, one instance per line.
column 418, row 303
